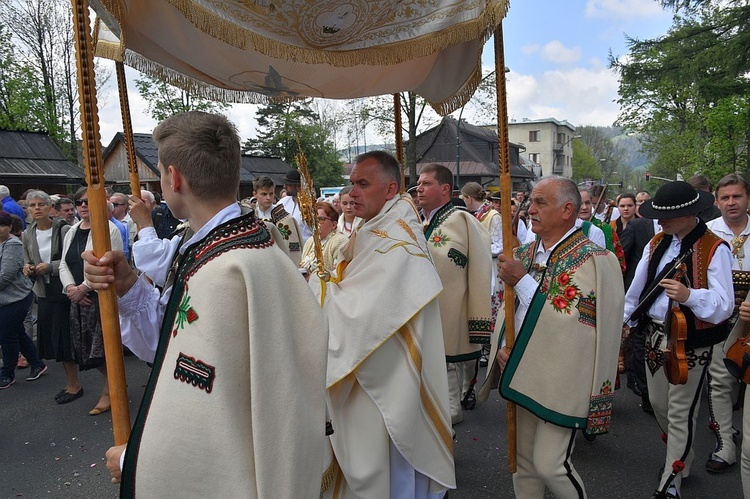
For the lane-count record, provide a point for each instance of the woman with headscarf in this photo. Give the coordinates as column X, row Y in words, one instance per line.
column 85, row 324
column 42, row 252
column 15, row 300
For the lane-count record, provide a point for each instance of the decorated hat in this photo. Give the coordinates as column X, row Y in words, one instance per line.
column 292, row 178
column 675, row 199
column 495, row 196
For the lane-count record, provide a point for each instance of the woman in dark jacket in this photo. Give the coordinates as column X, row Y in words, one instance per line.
column 15, row 300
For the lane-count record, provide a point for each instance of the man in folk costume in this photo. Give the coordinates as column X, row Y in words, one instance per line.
column 707, row 301
column 460, row 248
column 290, row 231
column 387, row 387
column 210, row 423
column 562, row 367
column 740, row 331
column 733, row 199
column 290, row 202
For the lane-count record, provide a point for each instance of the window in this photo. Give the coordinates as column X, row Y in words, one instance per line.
column 535, row 136
column 561, row 138
column 535, row 157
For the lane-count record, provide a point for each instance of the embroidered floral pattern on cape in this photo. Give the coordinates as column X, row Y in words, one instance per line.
column 438, row 239
column 412, row 247
column 185, row 313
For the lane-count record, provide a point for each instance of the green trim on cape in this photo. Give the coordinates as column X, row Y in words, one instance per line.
column 524, row 335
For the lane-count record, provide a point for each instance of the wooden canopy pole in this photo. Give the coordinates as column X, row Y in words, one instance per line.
column 92, row 159
column 507, row 218
column 127, row 127
column 399, row 138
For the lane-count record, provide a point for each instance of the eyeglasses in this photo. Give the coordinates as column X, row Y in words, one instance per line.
column 119, row 204
column 81, row 202
column 325, row 218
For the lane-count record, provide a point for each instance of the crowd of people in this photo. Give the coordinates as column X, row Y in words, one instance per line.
column 381, row 352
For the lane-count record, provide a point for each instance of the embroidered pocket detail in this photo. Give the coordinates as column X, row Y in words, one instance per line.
column 195, row 372
column 294, row 247
column 587, row 309
column 458, row 258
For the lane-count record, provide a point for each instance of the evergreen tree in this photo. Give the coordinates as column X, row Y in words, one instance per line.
column 281, row 124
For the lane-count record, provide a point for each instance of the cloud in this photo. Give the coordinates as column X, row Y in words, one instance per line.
column 583, row 96
column 530, row 49
column 556, row 52
column 619, row 9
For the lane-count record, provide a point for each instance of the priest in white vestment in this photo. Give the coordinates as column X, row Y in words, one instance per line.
column 387, row 384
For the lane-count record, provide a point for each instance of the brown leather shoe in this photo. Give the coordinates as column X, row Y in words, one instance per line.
column 717, row 465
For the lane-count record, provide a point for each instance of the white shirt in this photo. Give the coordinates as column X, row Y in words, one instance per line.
column 740, row 260
column 44, row 241
column 142, row 309
column 712, row 305
column 596, row 235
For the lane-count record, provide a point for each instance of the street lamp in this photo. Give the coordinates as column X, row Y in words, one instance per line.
column 562, row 148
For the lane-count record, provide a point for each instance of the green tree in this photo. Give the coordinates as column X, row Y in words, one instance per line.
column 281, row 124
column 416, row 116
column 674, row 89
column 165, row 100
column 585, row 163
column 22, row 105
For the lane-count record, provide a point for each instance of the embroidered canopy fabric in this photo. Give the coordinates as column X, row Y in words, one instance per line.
column 253, row 50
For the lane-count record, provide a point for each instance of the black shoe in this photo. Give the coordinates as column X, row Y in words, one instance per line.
column 6, row 381
column 36, row 373
column 633, row 385
column 717, row 465
column 668, row 495
column 69, row 397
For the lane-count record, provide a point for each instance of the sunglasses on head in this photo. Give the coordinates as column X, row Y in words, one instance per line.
column 81, row 202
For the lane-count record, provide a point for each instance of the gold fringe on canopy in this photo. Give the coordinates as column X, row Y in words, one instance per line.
column 378, row 54
column 193, row 86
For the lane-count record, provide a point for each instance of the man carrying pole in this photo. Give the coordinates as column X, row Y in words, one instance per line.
column 209, row 423
column 562, row 367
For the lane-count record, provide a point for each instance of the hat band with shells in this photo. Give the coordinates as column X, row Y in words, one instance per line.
column 679, row 206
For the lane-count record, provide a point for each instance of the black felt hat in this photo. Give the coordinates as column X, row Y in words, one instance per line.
column 674, row 200
column 495, row 196
column 292, row 178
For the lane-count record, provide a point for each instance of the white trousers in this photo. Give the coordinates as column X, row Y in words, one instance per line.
column 676, row 410
column 722, row 390
column 460, row 375
column 544, row 452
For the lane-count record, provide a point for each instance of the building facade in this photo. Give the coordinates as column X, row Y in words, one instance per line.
column 548, row 142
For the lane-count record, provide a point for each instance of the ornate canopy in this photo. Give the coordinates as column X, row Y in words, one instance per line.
column 252, row 51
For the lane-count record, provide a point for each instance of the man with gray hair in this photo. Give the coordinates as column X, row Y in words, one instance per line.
column 10, row 205
column 562, row 367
